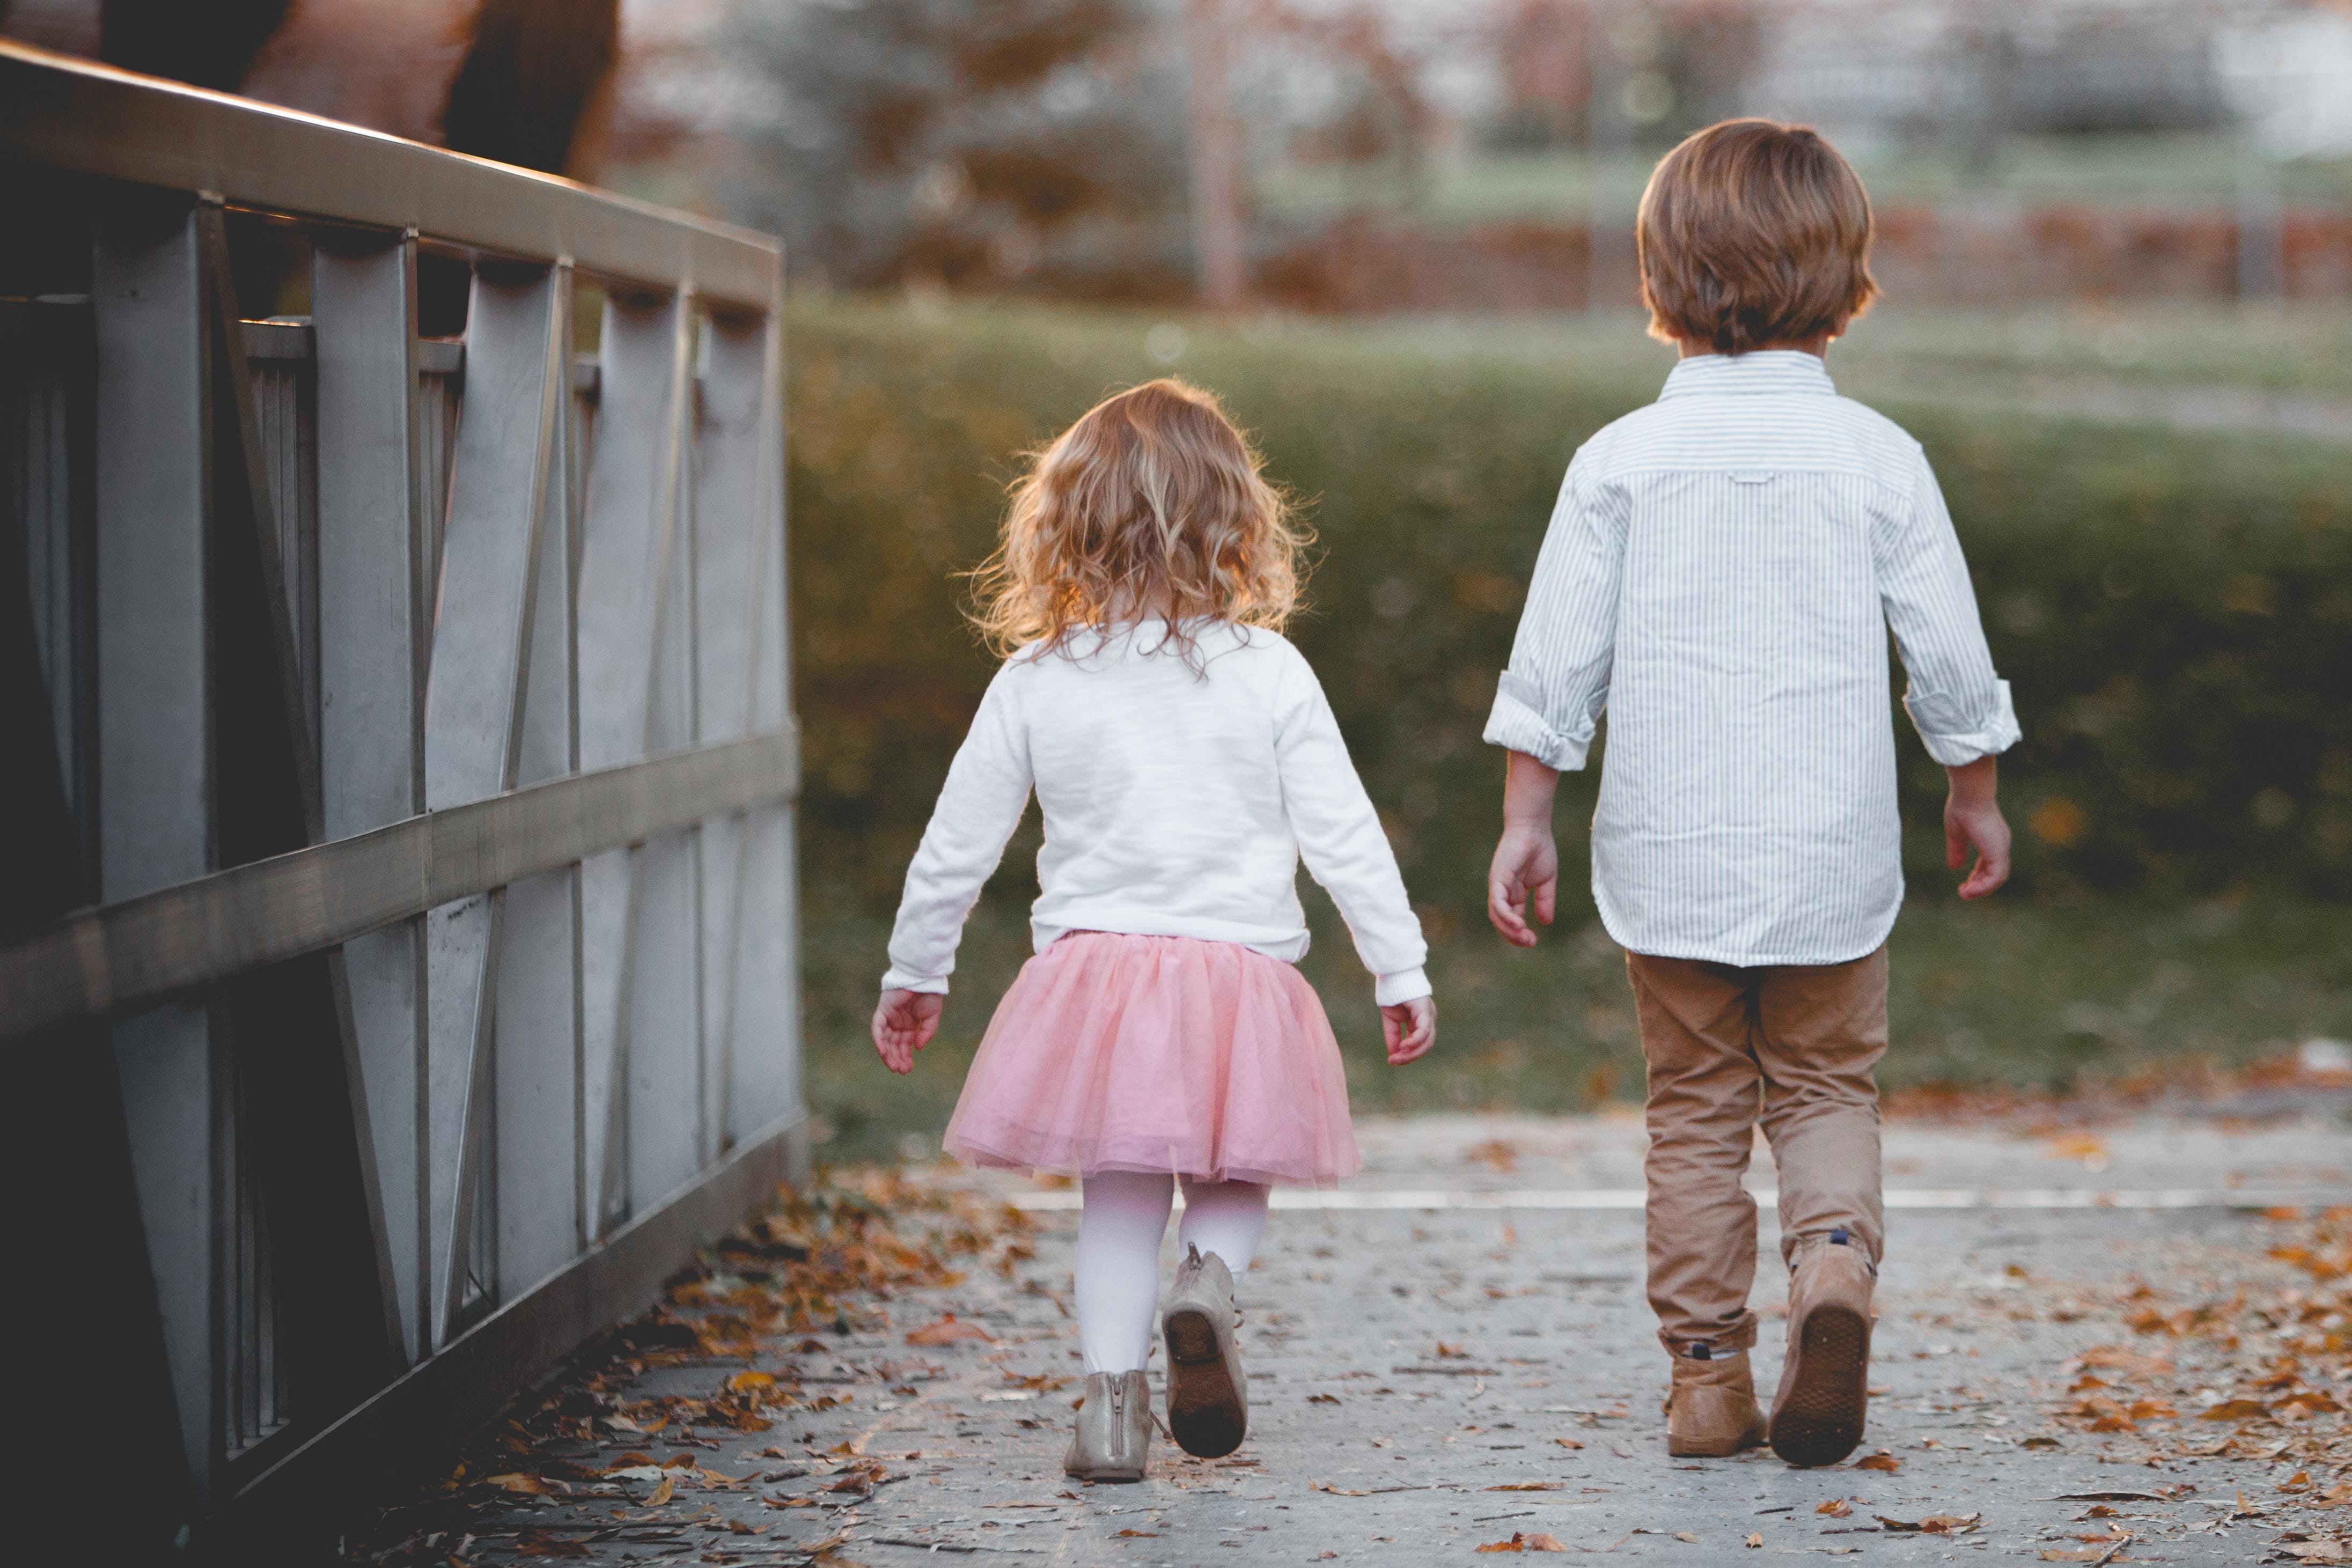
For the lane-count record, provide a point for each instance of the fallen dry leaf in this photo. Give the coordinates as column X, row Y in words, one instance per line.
column 1881, row 1461
column 1836, row 1508
column 1527, row 1486
column 1933, row 1524
column 2235, row 1410
column 662, row 1493
column 528, row 1485
column 948, row 1330
column 1494, row 1152
column 1518, row 1543
column 1541, row 1541
column 1685, row 1535
column 2123, row 1360
column 645, row 1472
column 1755, row 1541
column 2316, row 1550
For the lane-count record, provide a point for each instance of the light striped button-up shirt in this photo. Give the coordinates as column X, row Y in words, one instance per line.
column 1719, row 576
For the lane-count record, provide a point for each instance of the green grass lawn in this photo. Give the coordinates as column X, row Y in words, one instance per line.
column 2175, row 611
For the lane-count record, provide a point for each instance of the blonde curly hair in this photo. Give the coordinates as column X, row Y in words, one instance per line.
column 1152, row 505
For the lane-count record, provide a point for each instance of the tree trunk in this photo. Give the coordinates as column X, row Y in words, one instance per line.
column 1218, row 242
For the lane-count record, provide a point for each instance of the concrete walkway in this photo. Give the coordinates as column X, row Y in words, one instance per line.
column 1454, row 1352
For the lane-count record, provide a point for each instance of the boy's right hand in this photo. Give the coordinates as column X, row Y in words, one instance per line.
column 1410, row 1029
column 904, row 1024
column 1526, row 865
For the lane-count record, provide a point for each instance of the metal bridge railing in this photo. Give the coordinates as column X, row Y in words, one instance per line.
column 400, row 755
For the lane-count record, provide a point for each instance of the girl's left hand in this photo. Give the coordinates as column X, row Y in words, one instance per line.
column 904, row 1024
column 1410, row 1029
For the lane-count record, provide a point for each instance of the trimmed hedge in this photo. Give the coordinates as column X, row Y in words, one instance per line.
column 2174, row 611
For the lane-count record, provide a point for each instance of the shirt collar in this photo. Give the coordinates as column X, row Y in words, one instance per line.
column 1761, row 371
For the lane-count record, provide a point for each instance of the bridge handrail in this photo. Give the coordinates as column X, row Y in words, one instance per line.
column 90, row 119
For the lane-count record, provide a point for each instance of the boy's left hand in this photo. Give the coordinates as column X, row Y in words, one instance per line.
column 1526, row 866
column 1972, row 818
column 904, row 1024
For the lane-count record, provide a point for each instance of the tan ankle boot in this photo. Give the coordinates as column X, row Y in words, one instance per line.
column 1114, row 1428
column 1712, row 1412
column 1208, row 1396
column 1817, row 1417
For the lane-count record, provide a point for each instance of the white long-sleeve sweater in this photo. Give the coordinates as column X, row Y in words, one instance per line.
column 1177, row 803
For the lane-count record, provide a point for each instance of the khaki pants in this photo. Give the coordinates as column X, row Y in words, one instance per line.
column 1796, row 1043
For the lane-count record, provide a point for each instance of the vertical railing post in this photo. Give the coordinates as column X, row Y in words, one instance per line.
column 155, row 746
column 536, row 1065
column 639, row 909
column 508, row 459
column 738, row 539
column 372, row 532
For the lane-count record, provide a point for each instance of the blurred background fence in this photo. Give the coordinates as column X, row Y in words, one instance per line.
column 2116, row 240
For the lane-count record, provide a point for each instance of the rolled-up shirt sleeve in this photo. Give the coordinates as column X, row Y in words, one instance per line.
column 1548, row 703
column 1961, row 708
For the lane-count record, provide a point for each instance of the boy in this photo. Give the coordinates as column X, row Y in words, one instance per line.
column 1718, row 575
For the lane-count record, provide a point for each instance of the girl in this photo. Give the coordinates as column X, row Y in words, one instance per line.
column 1184, row 757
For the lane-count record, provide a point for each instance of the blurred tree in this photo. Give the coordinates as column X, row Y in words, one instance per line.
column 1661, row 69
column 1220, row 242
column 975, row 143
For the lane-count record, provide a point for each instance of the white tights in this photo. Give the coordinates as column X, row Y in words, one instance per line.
column 1118, row 1253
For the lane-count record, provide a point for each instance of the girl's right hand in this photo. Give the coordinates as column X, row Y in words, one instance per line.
column 1410, row 1029
column 904, row 1024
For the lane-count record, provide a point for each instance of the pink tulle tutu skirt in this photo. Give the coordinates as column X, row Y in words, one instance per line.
column 1113, row 1053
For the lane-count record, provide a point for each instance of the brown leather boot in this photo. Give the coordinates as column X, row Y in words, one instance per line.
column 1712, row 1412
column 1817, row 1417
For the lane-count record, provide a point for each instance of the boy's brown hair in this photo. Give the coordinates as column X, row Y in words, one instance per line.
column 1753, row 232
